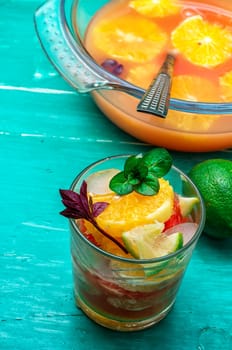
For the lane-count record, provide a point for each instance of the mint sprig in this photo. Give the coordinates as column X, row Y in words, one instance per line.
column 141, row 173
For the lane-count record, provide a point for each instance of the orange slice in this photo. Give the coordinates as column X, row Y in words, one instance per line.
column 142, row 75
column 203, row 43
column 130, row 37
column 226, row 86
column 155, row 8
column 126, row 212
column 197, row 89
column 194, row 88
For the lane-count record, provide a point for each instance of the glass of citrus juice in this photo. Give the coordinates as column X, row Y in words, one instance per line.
column 130, row 251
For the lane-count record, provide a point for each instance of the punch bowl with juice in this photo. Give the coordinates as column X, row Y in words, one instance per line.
column 130, row 39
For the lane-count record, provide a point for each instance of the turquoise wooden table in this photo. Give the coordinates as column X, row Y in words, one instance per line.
column 49, row 133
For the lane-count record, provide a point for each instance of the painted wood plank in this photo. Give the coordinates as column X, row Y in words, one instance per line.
column 47, row 135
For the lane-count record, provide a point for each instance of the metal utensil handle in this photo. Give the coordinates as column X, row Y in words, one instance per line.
column 156, row 98
column 61, row 49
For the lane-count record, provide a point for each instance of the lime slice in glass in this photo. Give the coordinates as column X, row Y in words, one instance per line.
column 146, row 233
column 149, row 242
column 187, row 204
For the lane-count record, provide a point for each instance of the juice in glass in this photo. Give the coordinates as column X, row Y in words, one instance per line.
column 131, row 38
column 120, row 282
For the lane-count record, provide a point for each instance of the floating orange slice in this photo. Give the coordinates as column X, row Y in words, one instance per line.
column 155, row 8
column 197, row 89
column 194, row 88
column 226, row 86
column 203, row 43
column 142, row 75
column 132, row 38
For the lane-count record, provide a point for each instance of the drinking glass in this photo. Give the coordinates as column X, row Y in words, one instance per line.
column 127, row 294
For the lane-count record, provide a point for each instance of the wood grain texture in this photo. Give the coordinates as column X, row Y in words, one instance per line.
column 48, row 134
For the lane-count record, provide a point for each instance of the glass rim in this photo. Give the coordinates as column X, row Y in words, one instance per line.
column 139, row 261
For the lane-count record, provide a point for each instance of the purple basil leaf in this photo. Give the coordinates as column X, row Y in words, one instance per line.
column 72, row 205
column 98, row 208
column 82, row 207
column 70, row 195
column 70, row 214
column 84, row 197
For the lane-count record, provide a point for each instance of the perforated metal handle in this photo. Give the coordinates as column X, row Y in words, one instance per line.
column 156, row 98
column 63, row 51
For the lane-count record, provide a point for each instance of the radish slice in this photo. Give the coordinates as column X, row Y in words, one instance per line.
column 98, row 183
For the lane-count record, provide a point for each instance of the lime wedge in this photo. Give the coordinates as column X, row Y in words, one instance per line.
column 147, row 232
column 149, row 242
column 187, row 204
column 161, row 245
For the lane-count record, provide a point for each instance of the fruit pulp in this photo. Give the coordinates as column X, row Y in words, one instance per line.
column 200, row 80
column 115, row 303
column 128, row 297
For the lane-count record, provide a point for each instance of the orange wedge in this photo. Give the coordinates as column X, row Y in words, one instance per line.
column 155, row 8
column 226, row 86
column 197, row 89
column 126, row 212
column 203, row 43
column 129, row 37
column 194, row 88
column 142, row 75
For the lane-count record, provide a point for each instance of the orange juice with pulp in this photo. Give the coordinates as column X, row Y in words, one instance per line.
column 131, row 38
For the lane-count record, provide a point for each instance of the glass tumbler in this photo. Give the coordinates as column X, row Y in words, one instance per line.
column 129, row 294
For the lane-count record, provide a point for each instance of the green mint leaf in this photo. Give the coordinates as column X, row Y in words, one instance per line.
column 158, row 160
column 137, row 174
column 120, row 184
column 141, row 173
column 131, row 164
column 133, row 181
column 149, row 187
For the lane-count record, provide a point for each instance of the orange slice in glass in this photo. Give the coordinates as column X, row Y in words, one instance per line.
column 126, row 212
column 226, row 86
column 197, row 89
column 155, row 8
column 130, row 37
column 203, row 43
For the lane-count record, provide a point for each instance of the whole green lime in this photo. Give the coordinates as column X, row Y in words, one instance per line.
column 213, row 178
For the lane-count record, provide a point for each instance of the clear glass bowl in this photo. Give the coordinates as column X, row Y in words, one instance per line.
column 130, row 294
column 190, row 126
